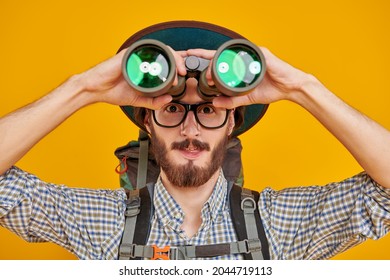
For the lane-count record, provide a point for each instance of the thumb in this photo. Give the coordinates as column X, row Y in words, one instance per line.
column 231, row 102
column 156, row 102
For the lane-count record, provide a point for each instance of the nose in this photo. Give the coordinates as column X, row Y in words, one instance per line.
column 190, row 127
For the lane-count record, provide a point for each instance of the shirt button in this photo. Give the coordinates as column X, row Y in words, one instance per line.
column 177, row 216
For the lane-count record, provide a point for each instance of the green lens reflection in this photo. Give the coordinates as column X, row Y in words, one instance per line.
column 148, row 67
column 133, row 66
column 238, row 66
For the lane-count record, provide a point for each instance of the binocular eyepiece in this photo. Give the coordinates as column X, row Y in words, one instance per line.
column 237, row 67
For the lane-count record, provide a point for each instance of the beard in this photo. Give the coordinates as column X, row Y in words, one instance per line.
column 188, row 175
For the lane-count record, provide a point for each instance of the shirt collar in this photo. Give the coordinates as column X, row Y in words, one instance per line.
column 217, row 200
column 166, row 208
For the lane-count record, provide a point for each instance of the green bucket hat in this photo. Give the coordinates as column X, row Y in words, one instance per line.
column 184, row 35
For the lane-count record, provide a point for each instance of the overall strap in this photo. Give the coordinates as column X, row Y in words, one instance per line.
column 247, row 221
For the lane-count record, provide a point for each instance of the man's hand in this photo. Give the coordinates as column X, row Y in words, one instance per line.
column 365, row 139
column 281, row 81
column 105, row 83
column 22, row 129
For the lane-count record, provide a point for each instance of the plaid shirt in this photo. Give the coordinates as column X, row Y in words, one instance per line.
column 217, row 226
column 300, row 223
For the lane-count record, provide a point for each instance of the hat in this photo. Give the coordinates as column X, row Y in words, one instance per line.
column 184, row 35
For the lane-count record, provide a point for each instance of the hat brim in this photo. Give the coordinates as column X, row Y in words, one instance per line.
column 184, row 35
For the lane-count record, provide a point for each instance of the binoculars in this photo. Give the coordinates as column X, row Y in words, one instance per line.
column 237, row 67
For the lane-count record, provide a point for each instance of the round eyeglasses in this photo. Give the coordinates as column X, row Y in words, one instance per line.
column 173, row 114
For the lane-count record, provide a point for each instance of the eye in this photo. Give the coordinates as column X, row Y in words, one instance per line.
column 206, row 109
column 173, row 108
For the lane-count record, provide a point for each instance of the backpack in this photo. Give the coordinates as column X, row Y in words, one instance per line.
column 139, row 171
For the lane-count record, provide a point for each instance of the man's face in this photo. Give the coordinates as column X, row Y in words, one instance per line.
column 189, row 155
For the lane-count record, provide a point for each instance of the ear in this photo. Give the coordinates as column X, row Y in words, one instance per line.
column 231, row 122
column 147, row 121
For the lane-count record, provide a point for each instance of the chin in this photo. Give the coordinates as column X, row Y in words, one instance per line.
column 198, row 161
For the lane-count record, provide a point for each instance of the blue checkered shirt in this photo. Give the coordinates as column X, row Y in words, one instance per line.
column 300, row 223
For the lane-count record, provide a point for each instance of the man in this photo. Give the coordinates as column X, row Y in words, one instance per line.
column 190, row 196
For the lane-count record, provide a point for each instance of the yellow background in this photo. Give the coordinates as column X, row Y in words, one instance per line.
column 344, row 43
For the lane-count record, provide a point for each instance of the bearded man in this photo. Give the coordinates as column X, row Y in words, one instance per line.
column 189, row 137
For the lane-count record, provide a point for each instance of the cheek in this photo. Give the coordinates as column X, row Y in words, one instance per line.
column 215, row 139
column 166, row 137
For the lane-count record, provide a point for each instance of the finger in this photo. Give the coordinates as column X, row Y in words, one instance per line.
column 231, row 102
column 209, row 77
column 160, row 101
column 182, row 53
column 152, row 103
column 207, row 54
column 179, row 61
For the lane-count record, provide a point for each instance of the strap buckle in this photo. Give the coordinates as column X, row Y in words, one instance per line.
column 126, row 251
column 248, row 205
column 161, row 253
column 253, row 245
column 133, row 203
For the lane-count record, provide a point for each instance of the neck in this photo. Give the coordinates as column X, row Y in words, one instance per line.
column 191, row 200
column 191, row 196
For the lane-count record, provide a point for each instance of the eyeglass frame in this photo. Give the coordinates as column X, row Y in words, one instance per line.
column 193, row 108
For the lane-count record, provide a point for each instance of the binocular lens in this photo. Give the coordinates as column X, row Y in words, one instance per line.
column 148, row 67
column 238, row 66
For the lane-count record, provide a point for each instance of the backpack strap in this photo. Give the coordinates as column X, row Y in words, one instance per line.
column 138, row 215
column 247, row 221
column 191, row 251
column 244, row 212
column 143, row 139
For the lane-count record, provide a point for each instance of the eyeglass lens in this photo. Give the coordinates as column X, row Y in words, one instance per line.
column 173, row 114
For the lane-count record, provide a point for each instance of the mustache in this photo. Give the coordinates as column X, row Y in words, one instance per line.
column 193, row 142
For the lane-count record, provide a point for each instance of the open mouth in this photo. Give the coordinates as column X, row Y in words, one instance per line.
column 191, row 153
column 191, row 149
column 190, row 145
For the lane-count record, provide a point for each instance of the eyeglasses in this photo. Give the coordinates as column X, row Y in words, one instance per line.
column 173, row 114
